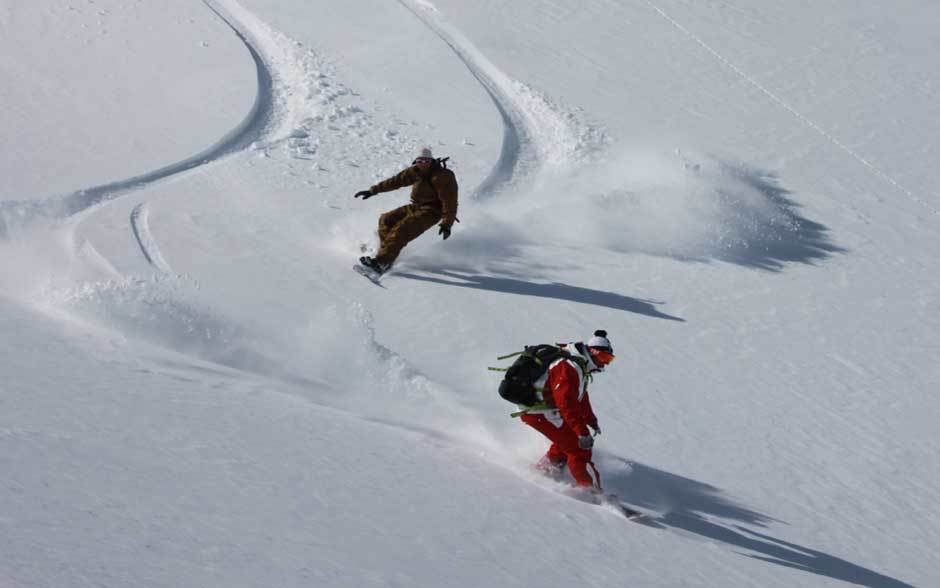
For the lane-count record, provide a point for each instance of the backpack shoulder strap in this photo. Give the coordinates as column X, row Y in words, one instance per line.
column 578, row 360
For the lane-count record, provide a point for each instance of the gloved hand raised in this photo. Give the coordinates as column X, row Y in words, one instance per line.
column 445, row 231
column 364, row 194
column 585, row 441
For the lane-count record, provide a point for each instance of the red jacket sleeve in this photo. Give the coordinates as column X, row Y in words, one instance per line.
column 587, row 411
column 564, row 382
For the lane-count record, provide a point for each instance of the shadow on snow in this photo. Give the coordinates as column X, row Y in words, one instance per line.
column 690, row 505
column 770, row 241
column 551, row 290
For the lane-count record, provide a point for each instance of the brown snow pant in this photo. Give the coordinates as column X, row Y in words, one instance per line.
column 400, row 226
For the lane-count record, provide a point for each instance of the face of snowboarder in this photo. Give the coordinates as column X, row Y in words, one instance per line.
column 424, row 163
column 601, row 357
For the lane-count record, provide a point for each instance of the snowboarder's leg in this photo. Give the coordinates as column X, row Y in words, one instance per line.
column 391, row 218
column 416, row 221
column 579, row 461
column 554, row 459
column 551, row 467
column 555, row 454
column 584, row 471
column 565, row 442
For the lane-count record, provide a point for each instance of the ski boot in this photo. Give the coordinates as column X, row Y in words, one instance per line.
column 372, row 264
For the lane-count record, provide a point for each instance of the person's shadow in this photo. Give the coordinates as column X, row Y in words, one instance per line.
column 555, row 290
column 698, row 508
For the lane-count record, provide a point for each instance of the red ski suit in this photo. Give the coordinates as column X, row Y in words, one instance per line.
column 566, row 391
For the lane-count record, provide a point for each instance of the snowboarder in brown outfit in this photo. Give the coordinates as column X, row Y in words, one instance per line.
column 433, row 200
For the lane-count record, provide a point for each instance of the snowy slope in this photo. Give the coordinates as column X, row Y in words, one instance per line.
column 92, row 90
column 197, row 391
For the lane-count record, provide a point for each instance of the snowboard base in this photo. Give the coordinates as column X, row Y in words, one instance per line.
column 370, row 274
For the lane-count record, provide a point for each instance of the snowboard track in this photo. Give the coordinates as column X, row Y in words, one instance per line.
column 140, row 225
column 515, row 138
column 526, row 131
column 254, row 128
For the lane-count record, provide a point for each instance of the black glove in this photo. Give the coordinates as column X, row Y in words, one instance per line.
column 445, row 230
column 365, row 194
column 595, row 428
column 585, row 441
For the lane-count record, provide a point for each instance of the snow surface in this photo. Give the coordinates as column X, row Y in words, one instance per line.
column 197, row 391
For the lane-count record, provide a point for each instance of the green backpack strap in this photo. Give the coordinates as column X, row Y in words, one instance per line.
column 539, row 406
column 504, row 357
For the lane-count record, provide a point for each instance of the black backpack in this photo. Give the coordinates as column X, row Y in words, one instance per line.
column 518, row 385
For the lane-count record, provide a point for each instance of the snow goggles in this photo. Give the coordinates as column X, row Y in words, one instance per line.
column 424, row 160
column 601, row 356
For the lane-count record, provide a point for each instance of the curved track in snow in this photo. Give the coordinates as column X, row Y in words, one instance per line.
column 517, row 142
column 140, row 224
column 268, row 118
column 253, row 128
column 535, row 131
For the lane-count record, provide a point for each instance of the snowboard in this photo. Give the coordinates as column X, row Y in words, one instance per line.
column 631, row 514
column 369, row 274
column 611, row 501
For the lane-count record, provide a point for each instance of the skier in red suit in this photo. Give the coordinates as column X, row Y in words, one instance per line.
column 569, row 420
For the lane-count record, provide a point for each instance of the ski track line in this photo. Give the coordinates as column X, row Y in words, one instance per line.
column 148, row 245
column 256, row 127
column 252, row 129
column 533, row 132
column 270, row 112
column 786, row 106
column 516, row 139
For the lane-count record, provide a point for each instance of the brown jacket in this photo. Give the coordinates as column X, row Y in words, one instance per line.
column 438, row 189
